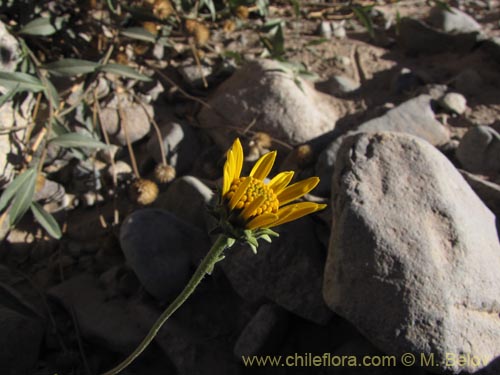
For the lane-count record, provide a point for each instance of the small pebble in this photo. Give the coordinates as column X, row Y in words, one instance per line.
column 325, row 29
column 454, row 102
column 339, row 30
column 344, row 60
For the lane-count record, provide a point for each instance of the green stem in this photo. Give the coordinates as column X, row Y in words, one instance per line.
column 206, row 266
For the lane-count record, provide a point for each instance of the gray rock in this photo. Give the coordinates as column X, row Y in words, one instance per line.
column 263, row 333
column 455, row 22
column 339, row 29
column 325, row 166
column 10, row 51
column 414, row 117
column 101, row 87
column 283, row 271
column 112, row 323
column 264, row 93
column 488, row 191
column 158, row 248
column 6, row 168
column 492, row 46
column 193, row 75
column 122, row 170
column 180, row 143
column 337, row 85
column 454, row 103
column 325, row 29
column 479, row 150
column 414, row 256
column 107, row 155
column 187, row 198
column 416, row 37
column 52, row 195
column 469, row 82
column 20, row 341
column 405, row 82
column 134, row 115
column 10, row 144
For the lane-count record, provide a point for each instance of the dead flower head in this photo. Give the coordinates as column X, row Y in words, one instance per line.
column 143, row 191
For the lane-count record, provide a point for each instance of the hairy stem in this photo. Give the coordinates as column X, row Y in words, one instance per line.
column 206, row 266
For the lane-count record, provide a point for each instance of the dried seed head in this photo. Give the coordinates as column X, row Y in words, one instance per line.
column 229, row 26
column 190, row 24
column 199, row 31
column 143, row 191
column 152, row 27
column 164, row 173
column 121, row 58
column 242, row 12
column 163, row 9
column 201, row 34
column 140, row 48
column 305, row 155
column 261, row 140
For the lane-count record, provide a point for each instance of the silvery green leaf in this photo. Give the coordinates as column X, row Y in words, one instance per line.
column 21, row 81
column 50, row 92
column 71, row 67
column 124, row 71
column 14, row 187
column 46, row 220
column 76, row 140
column 23, row 198
column 39, row 26
column 139, row 33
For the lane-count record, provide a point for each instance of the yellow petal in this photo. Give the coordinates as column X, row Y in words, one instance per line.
column 280, row 181
column 262, row 221
column 233, row 165
column 238, row 158
column 248, row 210
column 239, row 192
column 263, row 166
column 296, row 211
column 297, row 190
column 228, row 174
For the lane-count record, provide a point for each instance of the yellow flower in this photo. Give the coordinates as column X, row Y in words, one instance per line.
column 255, row 204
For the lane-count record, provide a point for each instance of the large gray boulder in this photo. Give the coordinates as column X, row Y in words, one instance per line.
column 271, row 99
column 479, row 150
column 414, row 256
column 415, row 117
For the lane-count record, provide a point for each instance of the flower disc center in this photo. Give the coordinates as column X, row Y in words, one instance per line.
column 256, row 189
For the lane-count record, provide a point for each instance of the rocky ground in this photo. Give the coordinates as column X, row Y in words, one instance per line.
column 401, row 127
